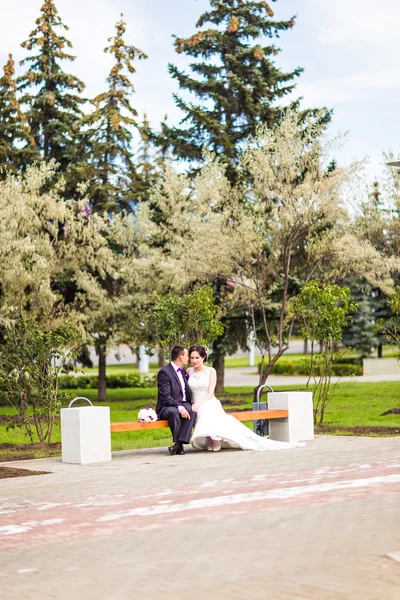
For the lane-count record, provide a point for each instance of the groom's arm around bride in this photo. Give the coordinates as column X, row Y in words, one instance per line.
column 174, row 401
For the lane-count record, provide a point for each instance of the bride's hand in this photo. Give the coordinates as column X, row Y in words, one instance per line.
column 195, row 407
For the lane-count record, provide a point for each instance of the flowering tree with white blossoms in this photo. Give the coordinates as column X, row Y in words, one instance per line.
column 190, row 233
column 188, row 230
column 115, row 296
column 44, row 241
column 288, row 224
column 391, row 200
column 61, row 263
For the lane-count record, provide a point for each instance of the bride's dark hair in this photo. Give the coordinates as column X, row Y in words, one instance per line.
column 200, row 349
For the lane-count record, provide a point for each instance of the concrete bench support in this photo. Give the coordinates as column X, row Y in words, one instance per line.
column 299, row 425
column 85, row 434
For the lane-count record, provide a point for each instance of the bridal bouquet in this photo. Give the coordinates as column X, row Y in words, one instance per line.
column 147, row 415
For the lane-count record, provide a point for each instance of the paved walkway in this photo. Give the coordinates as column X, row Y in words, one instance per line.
column 316, row 523
column 249, row 376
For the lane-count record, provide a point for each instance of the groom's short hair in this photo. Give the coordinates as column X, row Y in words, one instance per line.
column 177, row 351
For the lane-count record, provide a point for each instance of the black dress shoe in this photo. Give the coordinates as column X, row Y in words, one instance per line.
column 181, row 450
column 175, row 448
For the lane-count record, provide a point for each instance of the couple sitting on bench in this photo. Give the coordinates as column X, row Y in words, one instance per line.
column 186, row 400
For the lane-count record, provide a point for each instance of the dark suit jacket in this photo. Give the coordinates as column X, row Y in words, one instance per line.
column 170, row 389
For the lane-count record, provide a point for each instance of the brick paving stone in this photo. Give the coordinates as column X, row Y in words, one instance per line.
column 310, row 523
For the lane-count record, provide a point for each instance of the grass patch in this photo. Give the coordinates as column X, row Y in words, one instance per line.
column 355, row 409
column 118, row 369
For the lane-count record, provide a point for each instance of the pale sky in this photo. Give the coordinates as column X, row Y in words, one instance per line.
column 349, row 50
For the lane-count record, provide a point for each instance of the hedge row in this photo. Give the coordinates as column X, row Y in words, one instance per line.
column 299, row 368
column 133, row 380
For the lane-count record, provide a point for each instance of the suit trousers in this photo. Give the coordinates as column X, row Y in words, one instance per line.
column 181, row 428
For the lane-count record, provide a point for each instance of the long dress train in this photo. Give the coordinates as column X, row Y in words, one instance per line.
column 213, row 422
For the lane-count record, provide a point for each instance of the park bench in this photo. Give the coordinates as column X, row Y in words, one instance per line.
column 86, row 431
column 245, row 415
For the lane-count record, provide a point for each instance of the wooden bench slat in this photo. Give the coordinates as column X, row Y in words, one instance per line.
column 245, row 415
column 254, row 415
column 136, row 425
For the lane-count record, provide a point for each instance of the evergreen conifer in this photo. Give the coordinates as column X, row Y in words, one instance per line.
column 235, row 80
column 113, row 178
column 16, row 143
column 51, row 96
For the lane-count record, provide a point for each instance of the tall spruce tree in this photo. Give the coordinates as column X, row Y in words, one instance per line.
column 114, row 182
column 146, row 163
column 16, row 143
column 235, row 81
column 235, row 85
column 51, row 95
column 374, row 223
column 360, row 334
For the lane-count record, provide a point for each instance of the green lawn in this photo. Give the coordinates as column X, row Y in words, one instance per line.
column 118, row 369
column 354, row 405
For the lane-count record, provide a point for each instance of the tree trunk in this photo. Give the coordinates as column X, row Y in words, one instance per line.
column 161, row 358
column 268, row 368
column 219, row 366
column 380, row 347
column 305, row 347
column 102, row 384
column 219, row 348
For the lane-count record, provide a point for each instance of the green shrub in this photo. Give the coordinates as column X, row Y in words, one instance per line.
column 133, row 380
column 31, row 361
column 70, row 382
column 288, row 367
column 347, row 369
column 349, row 360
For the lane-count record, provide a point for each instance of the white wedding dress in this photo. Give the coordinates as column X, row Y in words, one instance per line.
column 212, row 421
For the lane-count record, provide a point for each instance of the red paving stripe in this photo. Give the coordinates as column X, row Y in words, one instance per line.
column 35, row 524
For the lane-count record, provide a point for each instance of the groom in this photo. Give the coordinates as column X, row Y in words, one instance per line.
column 174, row 401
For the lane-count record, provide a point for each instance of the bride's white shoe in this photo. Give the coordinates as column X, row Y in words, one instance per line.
column 216, row 445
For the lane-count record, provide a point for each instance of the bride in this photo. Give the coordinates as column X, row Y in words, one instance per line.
column 214, row 428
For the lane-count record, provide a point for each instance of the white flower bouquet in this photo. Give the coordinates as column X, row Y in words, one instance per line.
column 147, row 415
